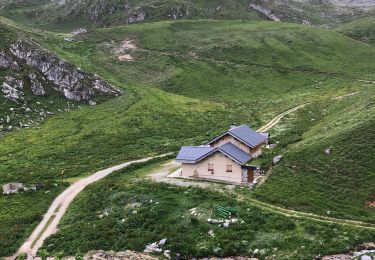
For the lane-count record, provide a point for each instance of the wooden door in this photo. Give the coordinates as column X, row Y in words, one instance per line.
column 250, row 175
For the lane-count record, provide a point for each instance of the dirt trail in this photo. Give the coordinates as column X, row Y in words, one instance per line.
column 56, row 211
column 276, row 119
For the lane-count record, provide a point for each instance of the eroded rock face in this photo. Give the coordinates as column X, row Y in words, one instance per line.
column 12, row 89
column 73, row 83
column 101, row 8
column 7, row 62
column 36, row 85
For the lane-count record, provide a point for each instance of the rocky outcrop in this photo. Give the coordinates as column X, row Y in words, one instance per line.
column 266, row 12
column 72, row 82
column 12, row 89
column 36, row 85
column 39, row 84
column 130, row 14
column 179, row 12
column 6, row 62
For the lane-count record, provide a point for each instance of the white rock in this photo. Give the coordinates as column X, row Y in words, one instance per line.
column 162, row 242
column 167, row 254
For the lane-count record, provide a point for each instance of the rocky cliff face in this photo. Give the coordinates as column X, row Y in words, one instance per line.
column 73, row 83
column 35, row 84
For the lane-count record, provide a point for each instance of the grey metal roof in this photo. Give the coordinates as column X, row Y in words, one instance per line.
column 248, row 135
column 235, row 153
column 245, row 134
column 193, row 153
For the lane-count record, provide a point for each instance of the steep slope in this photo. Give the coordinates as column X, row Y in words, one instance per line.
column 36, row 84
column 228, row 61
column 330, row 169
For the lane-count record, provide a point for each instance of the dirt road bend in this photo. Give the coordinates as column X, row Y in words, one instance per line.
column 56, row 211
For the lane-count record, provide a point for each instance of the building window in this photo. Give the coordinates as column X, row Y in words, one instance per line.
column 229, row 167
column 211, row 167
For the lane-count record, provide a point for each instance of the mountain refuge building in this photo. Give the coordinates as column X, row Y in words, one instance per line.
column 225, row 158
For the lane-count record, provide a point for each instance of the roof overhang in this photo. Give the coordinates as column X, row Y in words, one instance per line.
column 210, row 153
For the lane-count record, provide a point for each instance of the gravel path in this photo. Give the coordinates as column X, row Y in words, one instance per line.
column 56, row 211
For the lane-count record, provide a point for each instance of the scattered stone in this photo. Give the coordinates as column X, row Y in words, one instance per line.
column 162, row 242
column 211, row 233
column 167, row 254
column 79, row 31
column 12, row 89
column 10, row 188
column 276, row 159
column 152, row 248
column 68, row 39
column 226, row 225
column 366, row 257
column 327, row 151
column 102, row 255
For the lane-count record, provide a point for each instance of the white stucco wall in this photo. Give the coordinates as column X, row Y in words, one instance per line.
column 220, row 163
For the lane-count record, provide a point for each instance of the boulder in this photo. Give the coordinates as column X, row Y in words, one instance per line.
column 10, row 188
column 276, row 159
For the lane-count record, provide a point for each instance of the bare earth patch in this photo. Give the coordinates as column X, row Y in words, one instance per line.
column 125, row 57
column 121, row 49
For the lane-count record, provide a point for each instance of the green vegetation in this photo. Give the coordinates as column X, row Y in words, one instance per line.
column 190, row 80
column 126, row 212
column 361, row 29
column 20, row 214
column 340, row 183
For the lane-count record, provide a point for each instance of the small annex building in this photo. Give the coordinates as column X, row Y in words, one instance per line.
column 225, row 158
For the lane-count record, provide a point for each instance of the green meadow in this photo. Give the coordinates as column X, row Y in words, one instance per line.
column 189, row 81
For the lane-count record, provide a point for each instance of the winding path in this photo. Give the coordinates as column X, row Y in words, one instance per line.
column 56, row 211
column 276, row 119
column 50, row 221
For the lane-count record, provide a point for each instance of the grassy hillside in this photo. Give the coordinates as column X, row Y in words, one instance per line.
column 124, row 212
column 361, row 29
column 181, row 88
column 227, row 61
column 338, row 184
